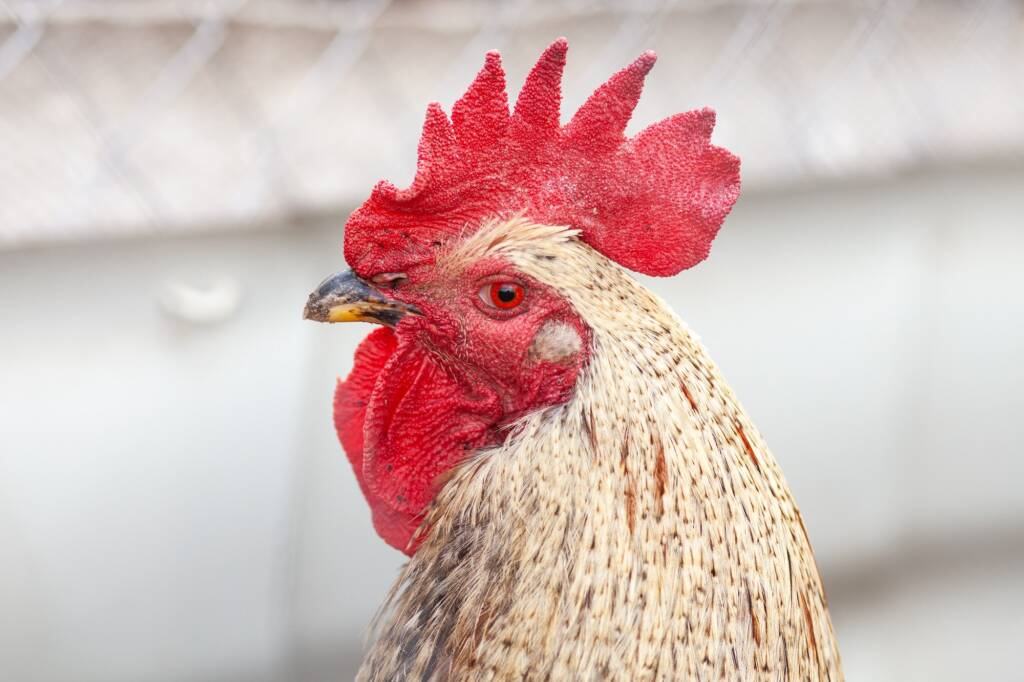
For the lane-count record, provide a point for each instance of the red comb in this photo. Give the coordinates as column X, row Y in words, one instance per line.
column 653, row 203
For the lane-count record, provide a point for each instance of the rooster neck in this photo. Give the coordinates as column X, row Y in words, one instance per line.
column 641, row 530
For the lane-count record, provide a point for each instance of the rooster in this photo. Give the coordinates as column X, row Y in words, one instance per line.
column 578, row 490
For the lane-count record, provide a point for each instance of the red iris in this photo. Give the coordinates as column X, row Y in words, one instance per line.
column 505, row 295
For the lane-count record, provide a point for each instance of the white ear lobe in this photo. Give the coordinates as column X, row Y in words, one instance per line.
column 555, row 342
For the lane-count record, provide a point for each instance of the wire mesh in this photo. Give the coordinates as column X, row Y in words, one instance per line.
column 151, row 116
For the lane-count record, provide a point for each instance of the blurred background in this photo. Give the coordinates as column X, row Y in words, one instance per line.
column 174, row 177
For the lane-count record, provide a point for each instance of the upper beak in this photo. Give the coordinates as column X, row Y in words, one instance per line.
column 346, row 298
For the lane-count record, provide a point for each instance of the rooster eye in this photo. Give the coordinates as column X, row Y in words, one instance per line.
column 503, row 295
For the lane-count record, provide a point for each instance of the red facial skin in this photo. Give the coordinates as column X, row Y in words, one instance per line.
column 441, row 386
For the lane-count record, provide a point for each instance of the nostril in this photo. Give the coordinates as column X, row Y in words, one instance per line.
column 389, row 279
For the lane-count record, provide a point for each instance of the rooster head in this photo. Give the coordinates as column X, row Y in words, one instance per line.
column 472, row 340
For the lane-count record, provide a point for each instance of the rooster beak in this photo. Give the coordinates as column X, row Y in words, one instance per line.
column 346, row 298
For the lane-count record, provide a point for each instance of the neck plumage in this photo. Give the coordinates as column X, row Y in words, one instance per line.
column 641, row 530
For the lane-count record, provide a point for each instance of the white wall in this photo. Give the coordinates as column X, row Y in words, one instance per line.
column 173, row 504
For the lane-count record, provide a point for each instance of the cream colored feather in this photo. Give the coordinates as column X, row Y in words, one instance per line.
column 640, row 531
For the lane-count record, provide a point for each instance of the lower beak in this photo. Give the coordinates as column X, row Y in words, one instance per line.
column 346, row 298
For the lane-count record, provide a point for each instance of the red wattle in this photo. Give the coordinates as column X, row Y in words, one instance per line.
column 351, row 399
column 404, row 419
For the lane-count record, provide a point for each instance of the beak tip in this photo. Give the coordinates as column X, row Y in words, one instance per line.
column 313, row 315
column 315, row 310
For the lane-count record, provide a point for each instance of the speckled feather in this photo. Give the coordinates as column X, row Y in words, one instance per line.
column 640, row 531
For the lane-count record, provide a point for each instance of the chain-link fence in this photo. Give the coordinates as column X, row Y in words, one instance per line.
column 144, row 115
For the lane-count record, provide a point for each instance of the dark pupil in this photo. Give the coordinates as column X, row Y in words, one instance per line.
column 506, row 294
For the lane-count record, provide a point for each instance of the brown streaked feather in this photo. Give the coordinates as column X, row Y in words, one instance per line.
column 637, row 532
